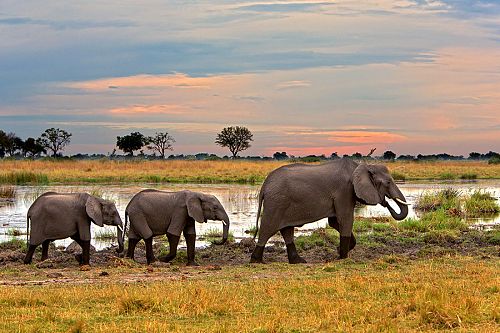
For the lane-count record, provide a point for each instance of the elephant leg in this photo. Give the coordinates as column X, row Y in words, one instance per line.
column 293, row 256
column 45, row 249
column 79, row 256
column 332, row 222
column 29, row 255
column 150, row 257
column 132, row 243
column 264, row 235
column 173, row 241
column 85, row 252
column 190, row 243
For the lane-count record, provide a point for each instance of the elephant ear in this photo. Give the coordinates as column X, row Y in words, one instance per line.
column 363, row 185
column 94, row 210
column 194, row 209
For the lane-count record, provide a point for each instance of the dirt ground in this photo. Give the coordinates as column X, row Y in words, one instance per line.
column 62, row 267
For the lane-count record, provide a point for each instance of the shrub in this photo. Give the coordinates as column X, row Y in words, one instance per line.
column 7, row 192
column 468, row 176
column 448, row 199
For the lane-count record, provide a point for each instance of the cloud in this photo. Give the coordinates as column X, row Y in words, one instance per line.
column 141, row 110
column 284, row 7
column 293, row 84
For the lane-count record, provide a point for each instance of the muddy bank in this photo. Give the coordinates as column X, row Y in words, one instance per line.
column 320, row 247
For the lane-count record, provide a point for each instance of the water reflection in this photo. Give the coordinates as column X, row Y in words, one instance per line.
column 240, row 202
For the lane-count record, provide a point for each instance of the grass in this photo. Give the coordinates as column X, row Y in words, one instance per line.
column 480, row 204
column 448, row 199
column 23, row 177
column 213, row 235
column 451, row 203
column 105, row 235
column 179, row 171
column 15, row 232
column 14, row 244
column 7, row 192
column 453, row 293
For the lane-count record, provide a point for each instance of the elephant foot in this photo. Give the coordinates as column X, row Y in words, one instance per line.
column 166, row 258
column 79, row 258
column 297, row 260
column 150, row 260
column 293, row 256
column 192, row 263
column 27, row 261
column 257, row 255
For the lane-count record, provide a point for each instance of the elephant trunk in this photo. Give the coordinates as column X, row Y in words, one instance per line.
column 225, row 230
column 400, row 200
column 119, row 236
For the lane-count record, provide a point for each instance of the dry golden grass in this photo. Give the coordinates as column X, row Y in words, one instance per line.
column 391, row 294
column 106, row 171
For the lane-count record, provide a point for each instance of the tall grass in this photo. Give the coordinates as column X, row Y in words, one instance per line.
column 222, row 171
column 23, row 177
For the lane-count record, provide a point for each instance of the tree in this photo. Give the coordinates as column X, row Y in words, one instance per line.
column 334, row 156
column 131, row 142
column 10, row 143
column 388, row 155
column 160, row 142
column 32, row 147
column 235, row 138
column 280, row 156
column 54, row 140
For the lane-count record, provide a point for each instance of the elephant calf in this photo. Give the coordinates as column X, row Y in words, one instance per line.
column 154, row 213
column 61, row 215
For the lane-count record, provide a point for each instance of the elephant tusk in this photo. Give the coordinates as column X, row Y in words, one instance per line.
column 224, row 222
column 401, row 202
column 120, row 227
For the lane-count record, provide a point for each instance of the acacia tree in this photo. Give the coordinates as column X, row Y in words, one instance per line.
column 131, row 142
column 10, row 143
column 235, row 138
column 54, row 140
column 160, row 142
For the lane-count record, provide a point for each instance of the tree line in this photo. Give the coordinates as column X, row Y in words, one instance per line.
column 53, row 141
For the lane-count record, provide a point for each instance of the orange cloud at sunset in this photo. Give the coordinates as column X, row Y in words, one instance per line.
column 150, row 109
column 177, row 80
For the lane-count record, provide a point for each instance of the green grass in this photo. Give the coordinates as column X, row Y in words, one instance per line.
column 105, row 235
column 481, row 203
column 468, row 176
column 15, row 232
column 318, row 238
column 23, row 177
column 214, row 235
column 397, row 176
column 447, row 199
column 447, row 176
column 14, row 244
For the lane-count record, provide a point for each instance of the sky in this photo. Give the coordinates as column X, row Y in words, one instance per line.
column 306, row 77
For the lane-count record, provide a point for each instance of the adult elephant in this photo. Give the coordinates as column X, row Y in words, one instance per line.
column 296, row 194
column 61, row 215
column 154, row 213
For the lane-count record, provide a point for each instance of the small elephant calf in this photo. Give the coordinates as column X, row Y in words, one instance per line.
column 61, row 215
column 153, row 213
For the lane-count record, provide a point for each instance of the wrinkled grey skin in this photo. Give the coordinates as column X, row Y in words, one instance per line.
column 296, row 194
column 153, row 213
column 61, row 215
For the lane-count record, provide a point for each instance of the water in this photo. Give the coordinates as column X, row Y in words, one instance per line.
column 240, row 202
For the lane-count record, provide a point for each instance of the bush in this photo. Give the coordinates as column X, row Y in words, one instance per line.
column 448, row 199
column 494, row 160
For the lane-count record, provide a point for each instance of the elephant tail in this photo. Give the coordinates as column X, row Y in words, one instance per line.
column 27, row 230
column 261, row 198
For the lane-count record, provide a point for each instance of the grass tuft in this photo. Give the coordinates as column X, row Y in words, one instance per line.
column 7, row 192
column 213, row 235
column 480, row 204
